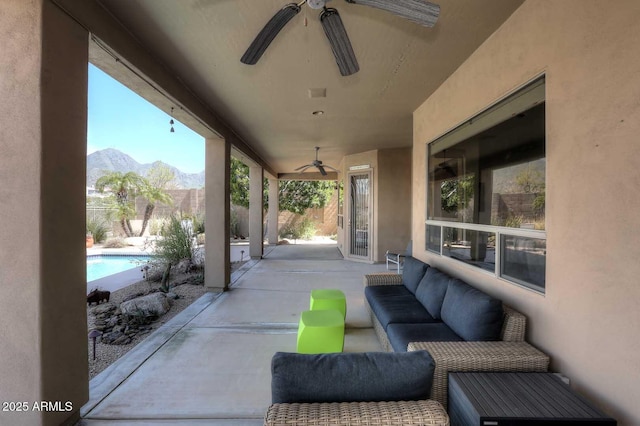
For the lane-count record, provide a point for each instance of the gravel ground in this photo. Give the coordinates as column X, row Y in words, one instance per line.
column 107, row 354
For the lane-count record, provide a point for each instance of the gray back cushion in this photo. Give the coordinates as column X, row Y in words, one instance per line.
column 351, row 377
column 472, row 314
column 431, row 291
column 412, row 272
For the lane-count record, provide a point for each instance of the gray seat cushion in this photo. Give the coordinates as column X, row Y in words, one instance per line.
column 431, row 291
column 395, row 304
column 351, row 377
column 472, row 314
column 400, row 335
column 412, row 272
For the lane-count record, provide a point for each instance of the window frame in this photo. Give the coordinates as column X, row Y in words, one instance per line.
column 517, row 101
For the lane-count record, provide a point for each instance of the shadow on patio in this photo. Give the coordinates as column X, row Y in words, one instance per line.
column 211, row 364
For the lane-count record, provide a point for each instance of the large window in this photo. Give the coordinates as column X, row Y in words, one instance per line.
column 486, row 190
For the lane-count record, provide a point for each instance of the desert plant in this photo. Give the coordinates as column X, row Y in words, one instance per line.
column 198, row 224
column 156, row 225
column 115, row 243
column 165, row 284
column 233, row 222
column 289, row 231
column 98, row 229
column 176, row 242
column 306, row 228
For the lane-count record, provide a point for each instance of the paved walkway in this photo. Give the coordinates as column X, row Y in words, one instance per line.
column 210, row 365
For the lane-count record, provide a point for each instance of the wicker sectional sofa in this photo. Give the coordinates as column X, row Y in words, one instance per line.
column 461, row 327
column 430, row 324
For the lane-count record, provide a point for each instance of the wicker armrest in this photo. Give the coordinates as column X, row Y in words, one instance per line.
column 478, row 356
column 358, row 413
column 514, row 325
column 382, row 278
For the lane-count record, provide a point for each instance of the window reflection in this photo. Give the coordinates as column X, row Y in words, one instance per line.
column 475, row 248
column 523, row 260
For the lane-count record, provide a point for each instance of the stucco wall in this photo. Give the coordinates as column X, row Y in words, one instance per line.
column 42, row 169
column 394, row 193
column 391, row 214
column 588, row 320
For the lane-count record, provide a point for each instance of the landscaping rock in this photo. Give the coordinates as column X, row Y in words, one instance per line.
column 183, row 267
column 155, row 304
column 104, row 308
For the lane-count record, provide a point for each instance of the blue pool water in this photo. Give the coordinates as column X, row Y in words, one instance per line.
column 103, row 266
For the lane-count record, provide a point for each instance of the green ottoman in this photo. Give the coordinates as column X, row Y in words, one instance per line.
column 320, row 332
column 328, row 299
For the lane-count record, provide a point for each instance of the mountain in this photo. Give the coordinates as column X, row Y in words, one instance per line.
column 112, row 160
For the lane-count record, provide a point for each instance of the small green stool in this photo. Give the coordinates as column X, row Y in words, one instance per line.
column 328, row 299
column 320, row 332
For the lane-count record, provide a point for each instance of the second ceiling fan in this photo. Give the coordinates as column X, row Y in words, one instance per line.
column 419, row 11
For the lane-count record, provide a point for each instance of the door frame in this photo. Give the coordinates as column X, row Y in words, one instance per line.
column 348, row 216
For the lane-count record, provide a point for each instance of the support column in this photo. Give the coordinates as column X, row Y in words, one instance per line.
column 256, row 201
column 273, row 212
column 43, row 133
column 217, row 271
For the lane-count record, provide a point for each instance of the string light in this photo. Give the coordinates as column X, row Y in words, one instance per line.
column 171, row 121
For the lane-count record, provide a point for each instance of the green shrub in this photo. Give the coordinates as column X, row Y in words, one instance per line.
column 156, row 225
column 233, row 222
column 198, row 224
column 307, row 228
column 176, row 242
column 289, row 231
column 98, row 229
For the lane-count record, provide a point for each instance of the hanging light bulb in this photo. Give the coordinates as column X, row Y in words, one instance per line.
column 171, row 121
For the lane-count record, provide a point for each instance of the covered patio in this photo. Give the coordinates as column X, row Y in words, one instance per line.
column 405, row 135
column 211, row 364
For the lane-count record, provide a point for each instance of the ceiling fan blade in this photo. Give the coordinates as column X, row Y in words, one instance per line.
column 323, row 172
column 331, row 168
column 268, row 33
column 306, row 166
column 339, row 41
column 419, row 11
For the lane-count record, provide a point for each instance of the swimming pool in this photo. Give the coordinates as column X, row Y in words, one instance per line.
column 100, row 266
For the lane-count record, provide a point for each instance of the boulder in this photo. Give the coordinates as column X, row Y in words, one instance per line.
column 154, row 304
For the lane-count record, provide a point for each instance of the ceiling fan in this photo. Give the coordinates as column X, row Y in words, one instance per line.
column 419, row 11
column 317, row 164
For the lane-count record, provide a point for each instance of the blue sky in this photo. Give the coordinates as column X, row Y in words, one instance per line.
column 120, row 119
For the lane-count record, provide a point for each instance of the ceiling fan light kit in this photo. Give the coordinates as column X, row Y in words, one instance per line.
column 419, row 11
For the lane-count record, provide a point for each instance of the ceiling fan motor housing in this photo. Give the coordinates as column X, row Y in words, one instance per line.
column 316, row 4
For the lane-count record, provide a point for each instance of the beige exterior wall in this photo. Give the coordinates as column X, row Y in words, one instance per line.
column 394, row 208
column 391, row 215
column 588, row 320
column 42, row 169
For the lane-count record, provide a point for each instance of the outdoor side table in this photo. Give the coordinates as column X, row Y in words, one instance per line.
column 320, row 332
column 500, row 399
column 328, row 299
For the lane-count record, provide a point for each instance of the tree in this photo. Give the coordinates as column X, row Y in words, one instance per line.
column 161, row 176
column 153, row 195
column 239, row 183
column 299, row 195
column 124, row 186
column 295, row 196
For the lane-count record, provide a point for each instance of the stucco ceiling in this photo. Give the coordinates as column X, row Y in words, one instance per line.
column 401, row 64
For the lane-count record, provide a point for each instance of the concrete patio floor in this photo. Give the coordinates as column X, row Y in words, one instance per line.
column 210, row 365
